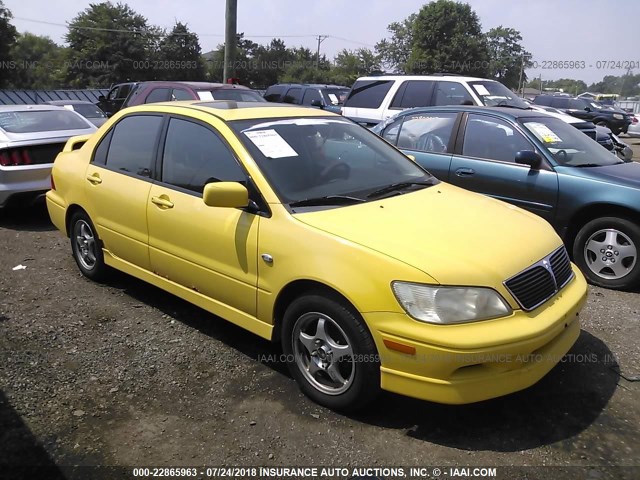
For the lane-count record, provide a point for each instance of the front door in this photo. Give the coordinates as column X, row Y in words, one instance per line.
column 207, row 249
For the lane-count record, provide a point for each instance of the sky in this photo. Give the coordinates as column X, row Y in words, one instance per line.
column 599, row 38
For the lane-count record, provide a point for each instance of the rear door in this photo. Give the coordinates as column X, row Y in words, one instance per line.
column 117, row 184
column 484, row 162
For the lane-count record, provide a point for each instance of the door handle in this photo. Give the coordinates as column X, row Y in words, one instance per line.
column 162, row 201
column 94, row 178
column 465, row 172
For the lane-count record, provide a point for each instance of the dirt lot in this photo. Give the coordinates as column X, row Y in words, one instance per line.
column 123, row 374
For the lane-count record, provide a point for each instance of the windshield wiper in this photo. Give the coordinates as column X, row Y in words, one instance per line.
column 326, row 200
column 394, row 187
column 587, row 165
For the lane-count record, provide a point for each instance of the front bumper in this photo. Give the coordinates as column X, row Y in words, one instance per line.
column 467, row 363
column 34, row 179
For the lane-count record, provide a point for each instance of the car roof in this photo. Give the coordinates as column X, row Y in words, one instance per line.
column 28, row 108
column 501, row 111
column 312, row 85
column 69, row 102
column 196, row 85
column 441, row 77
column 229, row 110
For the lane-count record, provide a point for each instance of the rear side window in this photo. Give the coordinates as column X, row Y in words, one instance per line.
column 194, row 156
column 159, row 95
column 368, row 93
column 542, row 100
column 559, row 102
column 310, row 95
column 273, row 94
column 414, row 93
column 180, row 94
column 452, row 93
column 427, row 132
column 133, row 144
column 294, row 95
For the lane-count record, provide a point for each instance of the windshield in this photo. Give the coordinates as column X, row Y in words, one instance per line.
column 41, row 121
column 568, row 145
column 307, row 158
column 88, row 110
column 335, row 96
column 494, row 94
column 236, row 94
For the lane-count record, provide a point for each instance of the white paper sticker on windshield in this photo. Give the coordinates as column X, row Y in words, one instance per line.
column 270, row 143
column 205, row 95
column 334, row 98
column 543, row 132
column 482, row 90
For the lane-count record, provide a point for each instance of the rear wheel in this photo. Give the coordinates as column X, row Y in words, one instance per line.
column 86, row 247
column 330, row 352
column 606, row 250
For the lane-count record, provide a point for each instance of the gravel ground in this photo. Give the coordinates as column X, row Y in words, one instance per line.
column 123, row 374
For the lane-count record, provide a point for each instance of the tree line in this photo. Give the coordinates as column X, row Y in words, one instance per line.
column 109, row 43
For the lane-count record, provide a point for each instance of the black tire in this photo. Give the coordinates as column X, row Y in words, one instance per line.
column 606, row 250
column 87, row 247
column 343, row 328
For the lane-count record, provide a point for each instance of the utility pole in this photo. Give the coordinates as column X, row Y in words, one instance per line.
column 321, row 38
column 520, row 82
column 230, row 35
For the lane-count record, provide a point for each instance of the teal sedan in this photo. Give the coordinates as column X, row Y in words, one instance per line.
column 541, row 164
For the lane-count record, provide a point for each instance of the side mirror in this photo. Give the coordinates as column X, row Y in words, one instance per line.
column 627, row 154
column 225, row 195
column 411, row 157
column 316, row 103
column 587, row 109
column 529, row 157
column 101, row 98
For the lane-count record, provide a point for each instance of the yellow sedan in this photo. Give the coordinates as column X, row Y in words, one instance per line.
column 309, row 230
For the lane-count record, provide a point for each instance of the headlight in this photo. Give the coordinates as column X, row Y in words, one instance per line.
column 617, row 116
column 448, row 305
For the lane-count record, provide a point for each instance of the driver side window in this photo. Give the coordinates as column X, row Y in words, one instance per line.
column 194, row 156
column 427, row 132
column 493, row 139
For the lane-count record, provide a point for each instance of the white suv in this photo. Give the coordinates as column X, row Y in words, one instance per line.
column 376, row 98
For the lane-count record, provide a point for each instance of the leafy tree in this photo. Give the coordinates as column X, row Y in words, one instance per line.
column 394, row 53
column 567, row 85
column 8, row 35
column 180, row 52
column 243, row 65
column 270, row 63
column 303, row 69
column 508, row 58
column 349, row 65
column 447, row 37
column 39, row 61
column 108, row 44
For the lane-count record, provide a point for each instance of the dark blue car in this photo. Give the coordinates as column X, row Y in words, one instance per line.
column 541, row 164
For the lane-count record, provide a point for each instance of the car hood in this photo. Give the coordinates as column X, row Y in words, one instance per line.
column 454, row 236
column 626, row 174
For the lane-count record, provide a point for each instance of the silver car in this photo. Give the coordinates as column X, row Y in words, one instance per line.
column 88, row 110
column 634, row 128
column 30, row 138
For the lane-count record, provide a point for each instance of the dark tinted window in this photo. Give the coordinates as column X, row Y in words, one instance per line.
column 238, row 95
column 452, row 93
column 309, row 95
column 293, row 95
column 124, row 90
column 368, row 93
column 427, row 132
column 100, row 155
column 417, row 93
column 542, row 100
column 88, row 110
column 194, row 156
column 580, row 104
column 488, row 137
column 158, row 95
column 180, row 94
column 133, row 144
column 274, row 93
column 560, row 102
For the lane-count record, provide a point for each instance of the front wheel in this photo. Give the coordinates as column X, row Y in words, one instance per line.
column 86, row 247
column 330, row 352
column 606, row 250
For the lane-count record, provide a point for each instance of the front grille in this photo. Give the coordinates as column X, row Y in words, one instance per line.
column 534, row 286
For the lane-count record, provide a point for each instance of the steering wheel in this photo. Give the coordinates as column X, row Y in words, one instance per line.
column 431, row 142
column 335, row 171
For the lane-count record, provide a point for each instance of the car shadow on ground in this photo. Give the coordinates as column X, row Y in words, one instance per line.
column 33, row 218
column 23, row 457
column 560, row 406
